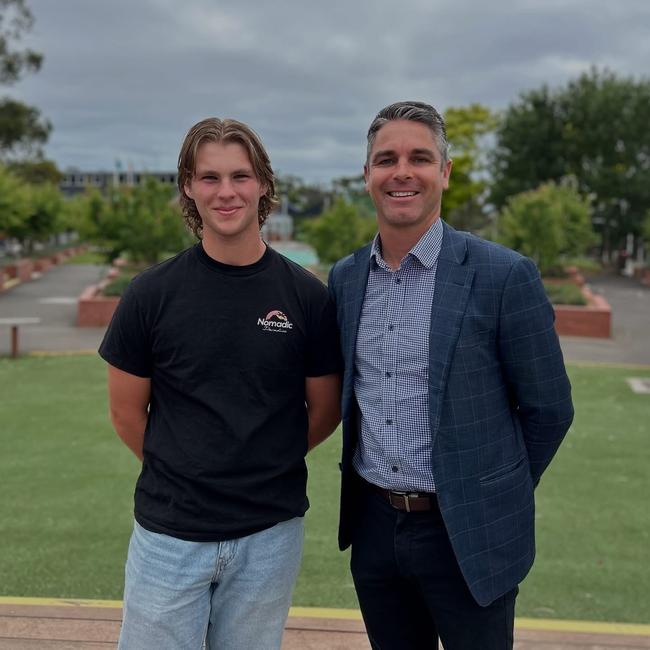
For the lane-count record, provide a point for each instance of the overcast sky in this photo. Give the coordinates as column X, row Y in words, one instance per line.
column 123, row 80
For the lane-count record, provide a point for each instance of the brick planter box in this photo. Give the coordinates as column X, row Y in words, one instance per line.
column 595, row 319
column 21, row 270
column 93, row 309
column 42, row 264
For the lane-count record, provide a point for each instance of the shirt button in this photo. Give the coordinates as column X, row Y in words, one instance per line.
column 398, row 280
column 391, row 328
column 389, row 422
column 388, row 375
column 395, row 468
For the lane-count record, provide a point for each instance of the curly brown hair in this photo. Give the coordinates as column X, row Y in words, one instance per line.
column 214, row 129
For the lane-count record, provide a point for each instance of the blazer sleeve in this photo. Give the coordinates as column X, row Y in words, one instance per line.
column 533, row 365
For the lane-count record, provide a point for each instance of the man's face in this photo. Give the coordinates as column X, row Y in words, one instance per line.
column 226, row 192
column 404, row 177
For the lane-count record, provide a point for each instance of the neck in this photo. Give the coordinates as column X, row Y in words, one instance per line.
column 397, row 242
column 235, row 251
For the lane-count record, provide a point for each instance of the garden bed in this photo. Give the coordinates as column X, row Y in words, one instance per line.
column 578, row 311
column 594, row 319
column 94, row 309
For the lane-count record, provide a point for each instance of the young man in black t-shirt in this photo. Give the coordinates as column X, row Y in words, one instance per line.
column 223, row 371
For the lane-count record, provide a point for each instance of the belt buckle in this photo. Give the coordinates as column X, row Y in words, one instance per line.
column 404, row 495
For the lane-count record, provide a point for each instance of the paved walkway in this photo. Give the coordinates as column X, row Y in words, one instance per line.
column 53, row 296
column 630, row 342
column 28, row 624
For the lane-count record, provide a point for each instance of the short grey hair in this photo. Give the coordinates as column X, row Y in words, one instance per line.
column 415, row 112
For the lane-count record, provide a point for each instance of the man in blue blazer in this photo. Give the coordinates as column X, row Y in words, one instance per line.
column 455, row 400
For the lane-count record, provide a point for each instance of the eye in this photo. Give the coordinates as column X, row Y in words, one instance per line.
column 383, row 162
column 209, row 178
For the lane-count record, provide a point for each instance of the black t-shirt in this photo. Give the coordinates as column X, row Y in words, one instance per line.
column 227, row 349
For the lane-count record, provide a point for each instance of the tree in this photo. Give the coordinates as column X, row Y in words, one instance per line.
column 467, row 128
column 595, row 129
column 141, row 221
column 14, row 203
column 547, row 224
column 338, row 231
column 22, row 129
column 45, row 207
column 36, row 172
column 15, row 20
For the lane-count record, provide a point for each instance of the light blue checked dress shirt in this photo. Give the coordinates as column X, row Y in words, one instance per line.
column 391, row 368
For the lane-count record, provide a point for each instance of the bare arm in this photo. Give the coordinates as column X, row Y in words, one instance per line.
column 128, row 403
column 323, row 397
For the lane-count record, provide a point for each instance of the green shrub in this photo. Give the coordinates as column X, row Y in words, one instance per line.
column 565, row 294
column 117, row 286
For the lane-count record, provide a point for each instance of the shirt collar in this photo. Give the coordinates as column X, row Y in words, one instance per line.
column 426, row 250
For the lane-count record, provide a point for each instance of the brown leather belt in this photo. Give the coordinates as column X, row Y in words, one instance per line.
column 408, row 501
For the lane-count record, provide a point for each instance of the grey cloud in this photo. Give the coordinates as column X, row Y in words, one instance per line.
column 124, row 80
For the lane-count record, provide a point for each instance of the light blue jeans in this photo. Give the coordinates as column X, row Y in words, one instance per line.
column 232, row 595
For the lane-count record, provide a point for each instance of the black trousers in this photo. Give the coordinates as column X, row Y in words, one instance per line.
column 410, row 587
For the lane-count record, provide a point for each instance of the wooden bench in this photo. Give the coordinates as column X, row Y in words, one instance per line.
column 15, row 323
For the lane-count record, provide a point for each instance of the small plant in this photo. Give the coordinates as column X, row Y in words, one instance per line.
column 117, row 286
column 565, row 294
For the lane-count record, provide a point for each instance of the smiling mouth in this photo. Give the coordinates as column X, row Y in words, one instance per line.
column 401, row 195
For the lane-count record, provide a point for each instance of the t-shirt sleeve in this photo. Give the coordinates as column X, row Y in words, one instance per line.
column 126, row 344
column 324, row 352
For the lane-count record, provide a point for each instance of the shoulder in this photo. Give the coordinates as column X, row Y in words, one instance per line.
column 301, row 277
column 159, row 275
column 490, row 259
column 342, row 268
column 479, row 249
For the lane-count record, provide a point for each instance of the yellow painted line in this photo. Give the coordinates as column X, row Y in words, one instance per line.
column 543, row 624
column 61, row 353
column 10, row 284
column 324, row 612
column 590, row 627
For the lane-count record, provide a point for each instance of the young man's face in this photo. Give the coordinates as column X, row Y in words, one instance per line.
column 226, row 192
column 404, row 176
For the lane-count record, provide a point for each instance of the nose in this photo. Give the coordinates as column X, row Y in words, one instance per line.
column 402, row 169
column 226, row 189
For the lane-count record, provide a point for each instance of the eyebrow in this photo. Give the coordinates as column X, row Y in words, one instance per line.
column 415, row 152
column 210, row 172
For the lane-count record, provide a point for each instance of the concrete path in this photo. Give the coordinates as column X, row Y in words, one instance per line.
column 630, row 342
column 79, row 625
column 51, row 297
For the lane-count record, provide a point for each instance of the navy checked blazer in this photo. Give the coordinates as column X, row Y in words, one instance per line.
column 499, row 402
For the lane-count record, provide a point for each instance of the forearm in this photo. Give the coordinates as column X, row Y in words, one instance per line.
column 323, row 400
column 129, row 397
column 130, row 428
column 321, row 426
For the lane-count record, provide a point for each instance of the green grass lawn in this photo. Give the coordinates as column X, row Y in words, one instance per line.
column 67, row 485
column 88, row 257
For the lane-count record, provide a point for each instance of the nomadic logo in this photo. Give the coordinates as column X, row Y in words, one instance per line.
column 275, row 321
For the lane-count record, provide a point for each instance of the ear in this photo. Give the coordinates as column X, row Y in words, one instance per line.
column 366, row 174
column 187, row 188
column 263, row 189
column 446, row 173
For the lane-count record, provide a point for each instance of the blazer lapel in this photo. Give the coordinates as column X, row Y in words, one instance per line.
column 453, row 283
column 355, row 290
